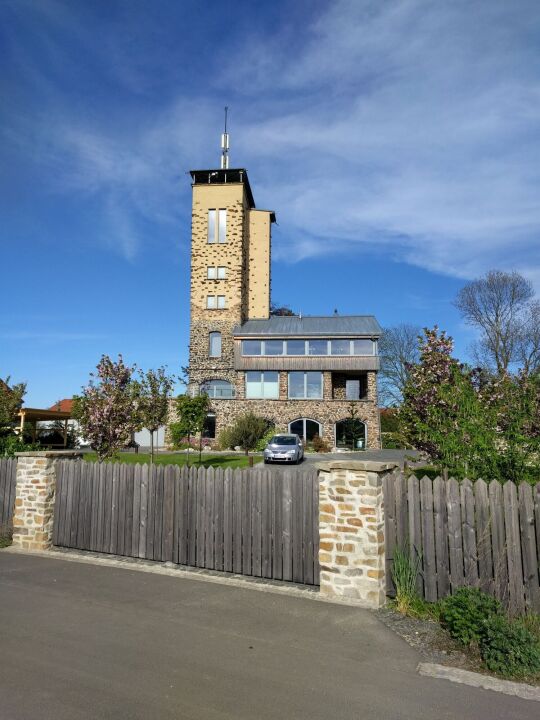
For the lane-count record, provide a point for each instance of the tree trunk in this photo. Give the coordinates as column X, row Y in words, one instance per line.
column 151, row 447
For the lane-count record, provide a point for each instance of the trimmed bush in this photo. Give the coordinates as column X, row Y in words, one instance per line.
column 465, row 614
column 319, row 445
column 509, row 649
column 263, row 442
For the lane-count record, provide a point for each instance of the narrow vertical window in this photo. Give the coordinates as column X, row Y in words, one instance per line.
column 222, row 229
column 214, row 344
column 212, row 226
column 221, row 302
column 211, row 302
column 211, row 273
column 221, row 273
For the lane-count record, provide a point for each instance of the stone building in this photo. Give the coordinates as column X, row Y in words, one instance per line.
column 301, row 372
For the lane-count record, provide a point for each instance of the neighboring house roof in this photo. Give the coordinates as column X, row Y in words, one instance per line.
column 63, row 405
column 328, row 326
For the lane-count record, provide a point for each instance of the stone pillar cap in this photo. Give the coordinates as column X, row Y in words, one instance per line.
column 365, row 465
column 50, row 453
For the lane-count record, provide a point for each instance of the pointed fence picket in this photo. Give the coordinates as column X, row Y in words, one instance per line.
column 474, row 534
column 250, row 522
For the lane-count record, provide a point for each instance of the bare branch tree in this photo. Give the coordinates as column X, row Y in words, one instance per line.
column 528, row 346
column 398, row 348
column 496, row 305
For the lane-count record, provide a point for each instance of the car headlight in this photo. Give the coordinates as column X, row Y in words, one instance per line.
column 291, row 452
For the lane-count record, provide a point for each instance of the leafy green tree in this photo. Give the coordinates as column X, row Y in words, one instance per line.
column 154, row 389
column 467, row 420
column 191, row 413
column 11, row 400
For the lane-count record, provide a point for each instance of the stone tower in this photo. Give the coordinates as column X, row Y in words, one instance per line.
column 230, row 270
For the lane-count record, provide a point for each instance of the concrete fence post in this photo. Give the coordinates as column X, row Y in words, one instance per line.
column 351, row 525
column 34, row 497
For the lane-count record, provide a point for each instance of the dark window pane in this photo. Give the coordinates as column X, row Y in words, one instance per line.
column 314, row 385
column 273, row 347
column 297, row 427
column 312, row 428
column 251, row 347
column 340, row 347
column 296, row 347
column 317, row 347
column 363, row 347
column 209, row 429
column 296, row 385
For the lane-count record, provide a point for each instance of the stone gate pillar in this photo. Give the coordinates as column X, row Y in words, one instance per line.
column 351, row 525
column 34, row 497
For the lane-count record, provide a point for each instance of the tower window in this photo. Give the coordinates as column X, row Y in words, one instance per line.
column 217, row 226
column 211, row 302
column 216, row 273
column 221, row 302
column 214, row 344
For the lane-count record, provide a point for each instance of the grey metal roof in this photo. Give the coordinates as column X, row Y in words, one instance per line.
column 329, row 326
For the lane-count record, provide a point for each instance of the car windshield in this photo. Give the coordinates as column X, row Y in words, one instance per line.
column 283, row 440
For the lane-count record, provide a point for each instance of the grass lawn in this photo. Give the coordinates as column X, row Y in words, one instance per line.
column 208, row 460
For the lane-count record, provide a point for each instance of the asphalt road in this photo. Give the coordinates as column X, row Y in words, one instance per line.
column 85, row 642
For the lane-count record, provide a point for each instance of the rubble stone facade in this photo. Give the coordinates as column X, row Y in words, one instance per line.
column 230, row 285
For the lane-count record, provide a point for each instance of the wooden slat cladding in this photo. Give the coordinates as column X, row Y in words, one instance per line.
column 244, row 521
column 304, row 362
column 467, row 534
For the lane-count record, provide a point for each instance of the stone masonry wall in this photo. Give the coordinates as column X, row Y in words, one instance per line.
column 351, row 523
column 34, row 498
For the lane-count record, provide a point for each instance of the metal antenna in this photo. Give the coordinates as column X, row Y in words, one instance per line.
column 225, row 145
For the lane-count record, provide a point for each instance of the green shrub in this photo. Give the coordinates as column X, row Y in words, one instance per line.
column 405, row 571
column 225, row 439
column 263, row 442
column 10, row 444
column 465, row 614
column 508, row 648
column 248, row 430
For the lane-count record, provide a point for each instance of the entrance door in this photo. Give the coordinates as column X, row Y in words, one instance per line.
column 305, row 428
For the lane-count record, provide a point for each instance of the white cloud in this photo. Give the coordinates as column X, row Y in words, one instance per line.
column 406, row 125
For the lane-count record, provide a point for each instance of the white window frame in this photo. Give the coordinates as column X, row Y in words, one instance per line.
column 217, row 336
column 211, row 272
column 211, row 302
column 221, row 272
column 221, row 302
column 305, row 395
column 262, row 383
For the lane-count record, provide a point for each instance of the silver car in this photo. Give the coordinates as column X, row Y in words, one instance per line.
column 284, row 448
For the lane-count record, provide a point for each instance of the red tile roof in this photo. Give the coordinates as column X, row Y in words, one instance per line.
column 63, row 405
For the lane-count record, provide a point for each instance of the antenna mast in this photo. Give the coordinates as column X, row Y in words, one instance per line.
column 225, row 145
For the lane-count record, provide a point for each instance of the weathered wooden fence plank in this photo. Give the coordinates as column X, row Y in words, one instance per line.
column 441, row 537
column 277, row 527
column 297, row 536
column 402, row 512
column 389, row 483
column 528, row 547
column 218, row 519
column 8, row 471
column 169, row 479
column 513, row 549
column 135, row 528
column 266, row 524
column 228, row 514
column 483, row 537
column 256, row 521
column 192, row 518
column 307, row 530
column 287, row 525
column 455, row 541
column 247, row 501
column 238, row 524
column 498, row 542
column 428, row 540
column 201, row 498
column 415, row 530
column 181, row 509
column 209, row 519
column 316, row 538
column 470, row 556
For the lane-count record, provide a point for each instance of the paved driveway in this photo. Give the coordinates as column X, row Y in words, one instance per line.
column 92, row 642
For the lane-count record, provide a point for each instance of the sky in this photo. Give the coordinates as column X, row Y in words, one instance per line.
column 398, row 143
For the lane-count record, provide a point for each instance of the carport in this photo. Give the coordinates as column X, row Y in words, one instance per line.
column 31, row 416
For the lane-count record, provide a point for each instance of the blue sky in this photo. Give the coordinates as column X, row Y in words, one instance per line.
column 398, row 143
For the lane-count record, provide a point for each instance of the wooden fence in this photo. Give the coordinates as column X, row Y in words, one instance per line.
column 479, row 534
column 8, row 468
column 239, row 521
